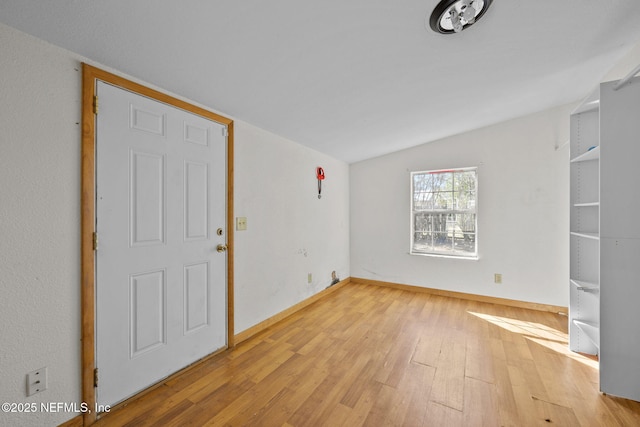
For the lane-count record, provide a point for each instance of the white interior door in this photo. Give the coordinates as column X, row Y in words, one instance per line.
column 161, row 209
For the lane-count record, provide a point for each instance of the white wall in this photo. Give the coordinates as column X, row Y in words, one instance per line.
column 290, row 232
column 522, row 212
column 39, row 223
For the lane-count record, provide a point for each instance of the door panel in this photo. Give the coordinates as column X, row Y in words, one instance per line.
column 147, row 310
column 160, row 284
column 147, row 207
column 196, row 309
column 195, row 202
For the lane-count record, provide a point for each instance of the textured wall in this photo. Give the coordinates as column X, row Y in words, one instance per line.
column 291, row 232
column 39, row 223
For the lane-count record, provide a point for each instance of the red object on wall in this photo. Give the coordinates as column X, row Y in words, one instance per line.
column 320, row 176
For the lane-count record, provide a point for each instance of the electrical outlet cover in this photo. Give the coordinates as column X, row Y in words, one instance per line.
column 36, row 381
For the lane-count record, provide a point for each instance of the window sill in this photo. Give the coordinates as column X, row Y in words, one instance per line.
column 467, row 258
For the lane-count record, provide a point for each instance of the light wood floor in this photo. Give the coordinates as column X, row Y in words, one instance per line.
column 368, row 355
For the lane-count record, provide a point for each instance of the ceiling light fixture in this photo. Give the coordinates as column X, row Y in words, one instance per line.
column 453, row 16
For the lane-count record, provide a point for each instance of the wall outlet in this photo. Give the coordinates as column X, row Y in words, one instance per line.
column 36, row 381
column 497, row 278
column 241, row 223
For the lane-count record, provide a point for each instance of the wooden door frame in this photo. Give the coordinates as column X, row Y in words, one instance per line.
column 90, row 76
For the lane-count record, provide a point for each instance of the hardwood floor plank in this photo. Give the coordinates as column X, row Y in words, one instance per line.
column 329, row 392
column 449, row 380
column 480, row 407
column 396, row 360
column 368, row 355
column 128, row 411
column 625, row 411
column 427, row 350
column 555, row 414
column 420, row 378
column 512, row 399
column 294, row 395
column 249, row 405
column 444, row 416
column 362, row 408
column 479, row 360
column 363, row 380
column 382, row 410
column 317, row 341
column 405, row 404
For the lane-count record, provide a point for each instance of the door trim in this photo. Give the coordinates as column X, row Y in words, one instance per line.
column 90, row 75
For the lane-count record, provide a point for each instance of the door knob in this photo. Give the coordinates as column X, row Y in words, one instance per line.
column 221, row 248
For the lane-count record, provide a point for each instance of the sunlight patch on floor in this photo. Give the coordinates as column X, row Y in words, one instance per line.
column 540, row 334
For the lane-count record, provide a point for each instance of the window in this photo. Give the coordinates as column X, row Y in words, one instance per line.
column 443, row 213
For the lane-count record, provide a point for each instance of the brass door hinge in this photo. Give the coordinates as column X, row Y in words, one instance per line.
column 95, row 240
column 95, row 104
column 95, row 377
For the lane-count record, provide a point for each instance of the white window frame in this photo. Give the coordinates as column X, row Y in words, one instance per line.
column 460, row 238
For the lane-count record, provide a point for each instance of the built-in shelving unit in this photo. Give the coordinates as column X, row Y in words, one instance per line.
column 584, row 147
column 592, row 154
column 586, row 205
column 605, row 234
column 590, row 329
column 585, row 286
column 594, row 236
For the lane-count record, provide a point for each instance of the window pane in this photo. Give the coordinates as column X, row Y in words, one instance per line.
column 466, row 222
column 422, row 222
column 422, row 182
column 463, row 231
column 442, row 181
column 422, row 201
column 466, row 245
column 443, row 201
column 444, row 205
column 423, row 242
column 454, row 231
column 465, row 200
column 442, row 243
column 465, row 181
column 439, row 222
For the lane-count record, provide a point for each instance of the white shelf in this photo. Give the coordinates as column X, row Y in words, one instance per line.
column 594, row 236
column 586, row 205
column 593, row 154
column 585, row 286
column 590, row 329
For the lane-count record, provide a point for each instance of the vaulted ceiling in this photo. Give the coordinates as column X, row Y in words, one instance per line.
column 353, row 79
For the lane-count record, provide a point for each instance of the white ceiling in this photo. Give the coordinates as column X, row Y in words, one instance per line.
column 353, row 79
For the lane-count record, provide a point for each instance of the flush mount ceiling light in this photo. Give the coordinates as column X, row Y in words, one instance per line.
column 453, row 16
